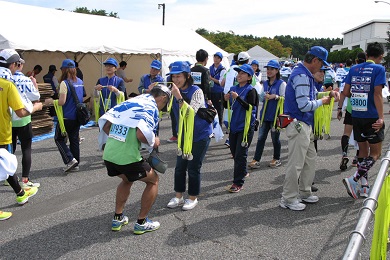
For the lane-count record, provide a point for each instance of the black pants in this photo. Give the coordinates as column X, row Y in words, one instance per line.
column 24, row 134
column 217, row 98
column 73, row 151
column 12, row 180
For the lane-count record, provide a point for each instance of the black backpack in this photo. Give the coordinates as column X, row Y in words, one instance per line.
column 82, row 113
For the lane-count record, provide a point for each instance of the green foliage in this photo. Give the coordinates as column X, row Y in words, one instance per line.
column 281, row 46
column 343, row 55
column 101, row 12
column 387, row 57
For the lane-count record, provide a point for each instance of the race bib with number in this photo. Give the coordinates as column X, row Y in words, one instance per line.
column 197, row 76
column 359, row 101
column 119, row 132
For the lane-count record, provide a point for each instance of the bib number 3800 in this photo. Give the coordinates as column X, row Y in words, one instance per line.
column 118, row 132
column 359, row 101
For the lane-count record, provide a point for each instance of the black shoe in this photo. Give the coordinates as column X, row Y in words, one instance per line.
column 343, row 164
column 314, row 189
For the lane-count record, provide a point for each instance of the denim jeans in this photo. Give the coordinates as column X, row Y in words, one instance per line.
column 263, row 133
column 240, row 154
column 73, row 151
column 193, row 167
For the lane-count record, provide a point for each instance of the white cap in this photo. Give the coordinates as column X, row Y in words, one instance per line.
column 8, row 56
column 243, row 56
column 8, row 164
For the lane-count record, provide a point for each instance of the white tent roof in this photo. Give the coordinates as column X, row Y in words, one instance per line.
column 74, row 32
column 261, row 55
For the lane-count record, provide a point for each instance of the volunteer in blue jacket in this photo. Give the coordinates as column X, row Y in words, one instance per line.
column 300, row 104
column 184, row 91
column 109, row 85
column 147, row 81
column 240, row 97
column 217, row 71
column 274, row 88
column 70, row 155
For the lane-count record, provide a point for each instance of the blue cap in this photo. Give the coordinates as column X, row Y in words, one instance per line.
column 111, row 61
column 245, row 68
column 255, row 62
column 68, row 64
column 273, row 64
column 189, row 63
column 319, row 52
column 156, row 64
column 179, row 67
column 219, row 54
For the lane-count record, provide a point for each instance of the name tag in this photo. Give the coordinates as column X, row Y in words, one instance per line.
column 119, row 132
column 197, row 76
column 359, row 101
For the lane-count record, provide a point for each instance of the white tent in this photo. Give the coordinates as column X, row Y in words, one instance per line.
column 47, row 36
column 262, row 56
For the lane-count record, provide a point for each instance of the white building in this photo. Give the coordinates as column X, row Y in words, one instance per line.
column 360, row 36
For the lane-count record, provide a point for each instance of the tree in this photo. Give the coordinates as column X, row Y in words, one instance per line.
column 387, row 57
column 101, row 12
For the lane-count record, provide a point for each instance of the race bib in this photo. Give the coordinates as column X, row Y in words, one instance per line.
column 119, row 132
column 197, row 76
column 359, row 101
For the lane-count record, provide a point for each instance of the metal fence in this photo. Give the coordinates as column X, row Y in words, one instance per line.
column 357, row 236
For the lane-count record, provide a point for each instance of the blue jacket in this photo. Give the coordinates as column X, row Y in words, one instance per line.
column 270, row 111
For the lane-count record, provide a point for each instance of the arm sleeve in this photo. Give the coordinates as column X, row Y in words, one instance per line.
column 301, row 86
column 197, row 100
column 282, row 89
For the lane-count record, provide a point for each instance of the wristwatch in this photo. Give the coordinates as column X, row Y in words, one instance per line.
column 180, row 101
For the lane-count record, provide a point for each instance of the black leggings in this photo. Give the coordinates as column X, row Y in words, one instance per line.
column 24, row 134
column 12, row 180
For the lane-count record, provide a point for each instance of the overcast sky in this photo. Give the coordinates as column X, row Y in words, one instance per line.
column 305, row 18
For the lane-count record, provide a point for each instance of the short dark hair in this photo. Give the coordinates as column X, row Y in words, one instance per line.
column 348, row 62
column 374, row 49
column 361, row 57
column 38, row 67
column 201, row 55
column 122, row 63
column 309, row 57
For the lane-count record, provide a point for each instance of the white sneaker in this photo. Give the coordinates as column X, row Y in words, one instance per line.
column 175, row 202
column 296, row 205
column 71, row 165
column 30, row 184
column 190, row 204
column 310, row 199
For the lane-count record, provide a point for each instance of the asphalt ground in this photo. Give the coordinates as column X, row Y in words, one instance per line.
column 70, row 217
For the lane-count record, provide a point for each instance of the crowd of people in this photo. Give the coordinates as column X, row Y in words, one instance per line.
column 200, row 99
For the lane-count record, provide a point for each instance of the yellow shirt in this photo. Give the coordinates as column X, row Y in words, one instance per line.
column 9, row 97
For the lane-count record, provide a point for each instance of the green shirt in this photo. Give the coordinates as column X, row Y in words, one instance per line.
column 122, row 153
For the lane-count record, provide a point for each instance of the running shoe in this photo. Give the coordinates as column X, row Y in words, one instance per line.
column 173, row 139
column 343, row 163
column 30, row 184
column 352, row 186
column 147, row 226
column 296, row 205
column 227, row 143
column 235, row 188
column 310, row 199
column 5, row 215
column 175, row 202
column 118, row 223
column 254, row 164
column 71, row 165
column 275, row 163
column 364, row 191
column 354, row 162
column 28, row 192
column 190, row 204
